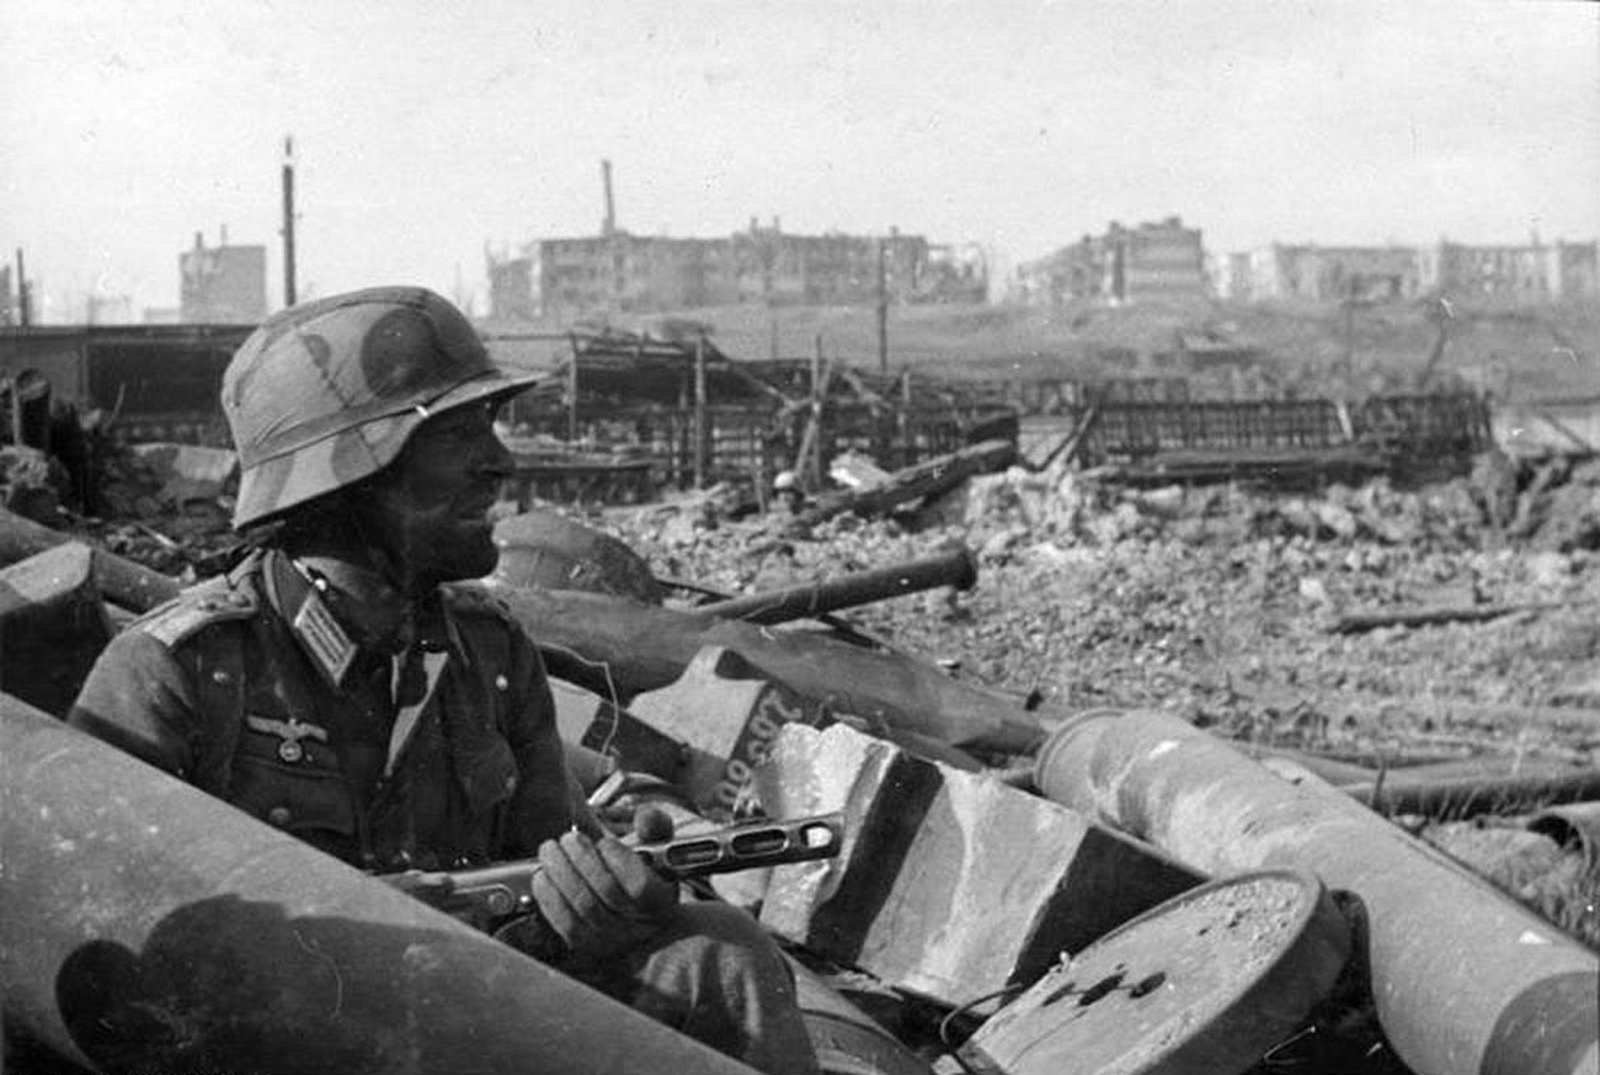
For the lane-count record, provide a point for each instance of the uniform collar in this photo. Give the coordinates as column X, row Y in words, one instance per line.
column 359, row 611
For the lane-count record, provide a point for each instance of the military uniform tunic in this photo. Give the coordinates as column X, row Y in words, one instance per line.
column 222, row 689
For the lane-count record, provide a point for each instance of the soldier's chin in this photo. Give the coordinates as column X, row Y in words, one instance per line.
column 472, row 554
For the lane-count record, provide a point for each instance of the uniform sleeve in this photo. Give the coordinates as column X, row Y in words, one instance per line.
column 139, row 698
column 548, row 799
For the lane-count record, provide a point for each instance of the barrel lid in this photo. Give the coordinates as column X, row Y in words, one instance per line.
column 1206, row 982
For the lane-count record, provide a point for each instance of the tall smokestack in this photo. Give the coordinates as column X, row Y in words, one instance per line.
column 288, row 221
column 609, row 226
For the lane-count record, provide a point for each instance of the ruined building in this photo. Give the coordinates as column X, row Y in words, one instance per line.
column 223, row 285
column 1325, row 273
column 564, row 279
column 619, row 272
column 1151, row 262
column 1167, row 261
column 1535, row 272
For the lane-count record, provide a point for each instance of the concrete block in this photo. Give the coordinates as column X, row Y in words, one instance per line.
column 728, row 715
column 588, row 720
column 950, row 884
column 53, row 626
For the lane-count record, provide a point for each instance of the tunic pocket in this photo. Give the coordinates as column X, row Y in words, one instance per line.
column 487, row 772
column 294, row 784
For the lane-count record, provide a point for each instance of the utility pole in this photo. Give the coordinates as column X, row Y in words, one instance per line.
column 614, row 271
column 24, row 314
column 883, row 309
column 288, row 221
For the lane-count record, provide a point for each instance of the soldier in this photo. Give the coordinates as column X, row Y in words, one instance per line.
column 343, row 685
column 787, row 495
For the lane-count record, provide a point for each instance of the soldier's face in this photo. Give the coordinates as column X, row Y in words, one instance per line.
column 431, row 507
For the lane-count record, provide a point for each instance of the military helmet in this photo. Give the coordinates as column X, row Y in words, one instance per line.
column 326, row 393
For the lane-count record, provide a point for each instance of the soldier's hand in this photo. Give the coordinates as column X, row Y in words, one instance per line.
column 652, row 825
column 599, row 896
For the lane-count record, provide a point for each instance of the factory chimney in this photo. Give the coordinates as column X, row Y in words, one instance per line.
column 609, row 226
column 289, row 297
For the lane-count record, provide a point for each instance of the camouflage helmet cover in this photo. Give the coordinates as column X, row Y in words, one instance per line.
column 326, row 393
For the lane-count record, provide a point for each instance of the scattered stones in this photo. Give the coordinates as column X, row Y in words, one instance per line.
column 1213, row 603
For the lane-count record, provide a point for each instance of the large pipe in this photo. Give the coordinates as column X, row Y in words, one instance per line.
column 1465, row 979
column 617, row 647
column 1451, row 790
column 957, row 568
column 149, row 927
column 123, row 582
column 1461, row 797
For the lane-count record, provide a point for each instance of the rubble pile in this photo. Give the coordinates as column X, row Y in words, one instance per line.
column 30, row 481
column 166, row 506
column 1217, row 604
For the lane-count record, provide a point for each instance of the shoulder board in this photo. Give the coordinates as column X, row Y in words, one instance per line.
column 474, row 598
column 210, row 602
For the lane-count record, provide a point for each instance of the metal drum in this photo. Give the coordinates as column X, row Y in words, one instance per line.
column 1203, row 984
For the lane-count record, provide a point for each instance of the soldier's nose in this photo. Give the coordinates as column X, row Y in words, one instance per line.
column 495, row 463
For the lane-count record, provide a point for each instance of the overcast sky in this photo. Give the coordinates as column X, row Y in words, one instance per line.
column 425, row 130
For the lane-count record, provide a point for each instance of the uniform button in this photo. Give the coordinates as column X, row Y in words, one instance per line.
column 501, row 683
column 279, row 816
column 220, row 676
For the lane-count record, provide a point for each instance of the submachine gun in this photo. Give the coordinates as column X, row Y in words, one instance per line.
column 489, row 897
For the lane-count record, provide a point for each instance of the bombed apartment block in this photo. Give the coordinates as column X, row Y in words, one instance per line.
column 1509, row 273
column 1150, row 262
column 566, row 279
